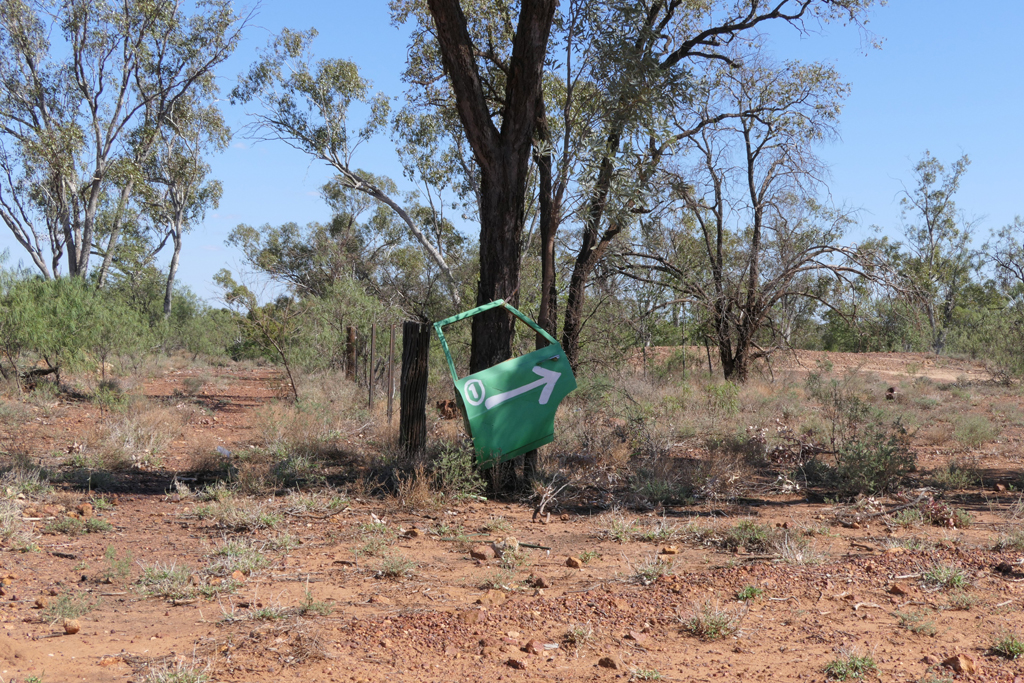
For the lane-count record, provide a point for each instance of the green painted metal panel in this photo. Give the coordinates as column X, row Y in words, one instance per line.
column 509, row 408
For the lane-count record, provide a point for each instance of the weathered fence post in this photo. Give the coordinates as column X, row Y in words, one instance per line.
column 412, row 416
column 373, row 360
column 391, row 371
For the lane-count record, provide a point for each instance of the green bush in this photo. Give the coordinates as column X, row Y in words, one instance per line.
column 875, row 462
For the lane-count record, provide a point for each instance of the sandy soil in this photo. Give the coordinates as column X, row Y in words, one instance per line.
column 597, row 621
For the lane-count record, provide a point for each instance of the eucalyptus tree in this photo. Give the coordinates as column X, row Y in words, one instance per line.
column 305, row 103
column 176, row 193
column 76, row 78
column 748, row 234
column 939, row 258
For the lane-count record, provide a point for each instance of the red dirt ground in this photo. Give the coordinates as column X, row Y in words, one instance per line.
column 438, row 624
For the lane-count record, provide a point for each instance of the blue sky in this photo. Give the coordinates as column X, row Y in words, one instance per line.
column 945, row 80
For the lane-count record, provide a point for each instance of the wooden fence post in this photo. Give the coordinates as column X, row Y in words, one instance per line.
column 391, row 371
column 373, row 360
column 412, row 416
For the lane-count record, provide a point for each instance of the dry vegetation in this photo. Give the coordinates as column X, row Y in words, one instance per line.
column 295, row 540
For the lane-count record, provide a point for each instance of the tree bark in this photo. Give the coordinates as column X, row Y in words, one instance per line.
column 172, row 272
column 412, row 418
column 502, row 155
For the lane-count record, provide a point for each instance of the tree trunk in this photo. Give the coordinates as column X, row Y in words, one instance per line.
column 412, row 417
column 172, row 272
column 501, row 226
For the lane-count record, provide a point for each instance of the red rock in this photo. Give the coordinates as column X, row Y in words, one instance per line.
column 610, row 663
column 899, row 589
column 574, row 562
column 473, row 616
column 482, row 552
column 962, row 664
column 491, row 598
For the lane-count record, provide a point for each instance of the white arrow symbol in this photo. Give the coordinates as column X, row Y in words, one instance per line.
column 547, row 380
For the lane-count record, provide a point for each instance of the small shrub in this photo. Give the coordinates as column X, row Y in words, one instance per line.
column 973, row 431
column 238, row 556
column 1011, row 541
column 661, row 532
column 169, row 581
column 943, row 514
column 118, row 567
column 395, row 566
column 645, row 675
column 709, row 622
column 876, row 462
column 651, row 569
column 754, row 537
column 1009, row 646
column 910, row 517
column 962, row 601
column 588, row 556
column 95, row 525
column 182, row 672
column 946, row 576
column 68, row 606
column 749, row 593
column 578, row 636
column 66, row 525
column 498, row 525
column 311, row 606
column 456, row 473
column 916, row 622
column 956, row 475
column 850, row 666
column 621, row 530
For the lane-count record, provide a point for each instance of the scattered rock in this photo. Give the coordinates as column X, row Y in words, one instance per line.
column 962, row 664
column 574, row 562
column 42, row 603
column 517, row 663
column 71, row 626
column 669, row 550
column 541, row 582
column 899, row 589
column 482, row 552
column 381, row 600
column 238, row 576
column 534, row 647
column 610, row 663
column 473, row 616
column 491, row 598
